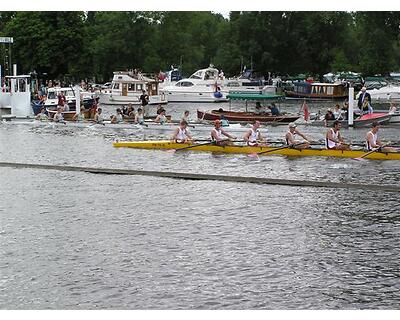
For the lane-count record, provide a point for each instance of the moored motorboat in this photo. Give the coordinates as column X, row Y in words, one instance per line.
column 51, row 101
column 285, row 151
column 128, row 86
column 316, row 90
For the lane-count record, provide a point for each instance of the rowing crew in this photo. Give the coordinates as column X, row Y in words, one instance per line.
column 253, row 137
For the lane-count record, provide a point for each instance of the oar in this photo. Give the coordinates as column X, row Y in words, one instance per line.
column 254, row 155
column 192, row 146
column 372, row 151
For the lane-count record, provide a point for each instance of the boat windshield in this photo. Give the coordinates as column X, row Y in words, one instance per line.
column 197, row 75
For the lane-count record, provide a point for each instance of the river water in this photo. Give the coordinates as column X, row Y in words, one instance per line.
column 72, row 240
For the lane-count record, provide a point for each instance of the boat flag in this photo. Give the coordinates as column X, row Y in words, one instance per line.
column 305, row 110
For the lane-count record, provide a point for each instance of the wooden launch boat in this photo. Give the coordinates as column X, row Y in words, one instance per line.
column 236, row 116
column 303, row 89
column 167, row 144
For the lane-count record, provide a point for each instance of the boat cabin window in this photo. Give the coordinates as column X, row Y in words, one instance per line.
column 329, row 90
column 233, row 84
column 211, row 74
column 139, row 87
column 116, row 86
column 186, row 84
column 131, row 87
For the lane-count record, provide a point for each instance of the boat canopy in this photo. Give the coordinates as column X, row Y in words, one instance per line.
column 253, row 96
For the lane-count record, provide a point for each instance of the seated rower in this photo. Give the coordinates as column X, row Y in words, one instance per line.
column 139, row 117
column 161, row 118
column 181, row 134
column 372, row 141
column 217, row 132
column 117, row 118
column 290, row 138
column 185, row 116
column 98, row 117
column 334, row 139
column 253, row 137
column 42, row 116
column 58, row 117
column 80, row 116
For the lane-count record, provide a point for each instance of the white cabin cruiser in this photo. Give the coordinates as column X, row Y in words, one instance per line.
column 128, row 86
column 204, row 85
column 210, row 85
column 88, row 99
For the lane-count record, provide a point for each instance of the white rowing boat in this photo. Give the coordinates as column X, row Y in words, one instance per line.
column 193, row 127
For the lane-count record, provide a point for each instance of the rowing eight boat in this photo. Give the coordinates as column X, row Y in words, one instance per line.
column 166, row 144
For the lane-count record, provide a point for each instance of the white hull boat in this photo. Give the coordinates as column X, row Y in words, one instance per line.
column 127, row 87
column 148, row 126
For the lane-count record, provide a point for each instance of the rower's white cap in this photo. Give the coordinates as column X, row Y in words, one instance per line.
column 292, row 125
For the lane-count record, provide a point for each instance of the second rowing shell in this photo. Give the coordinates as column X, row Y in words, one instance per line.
column 235, row 128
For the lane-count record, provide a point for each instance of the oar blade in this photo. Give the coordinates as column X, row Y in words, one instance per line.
column 253, row 156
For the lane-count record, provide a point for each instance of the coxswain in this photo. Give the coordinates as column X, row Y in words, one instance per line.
column 253, row 137
column 334, row 139
column 372, row 141
column 290, row 138
column 217, row 132
column 181, row 134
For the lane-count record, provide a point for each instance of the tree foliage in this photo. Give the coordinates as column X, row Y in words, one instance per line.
column 94, row 44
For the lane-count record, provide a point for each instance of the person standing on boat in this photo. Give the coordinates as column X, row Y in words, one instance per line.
column 334, row 139
column 217, row 132
column 181, row 134
column 98, row 117
column 144, row 99
column 364, row 101
column 62, row 101
column 253, row 137
column 372, row 141
column 290, row 138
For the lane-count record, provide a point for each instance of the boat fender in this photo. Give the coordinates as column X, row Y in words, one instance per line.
column 217, row 94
